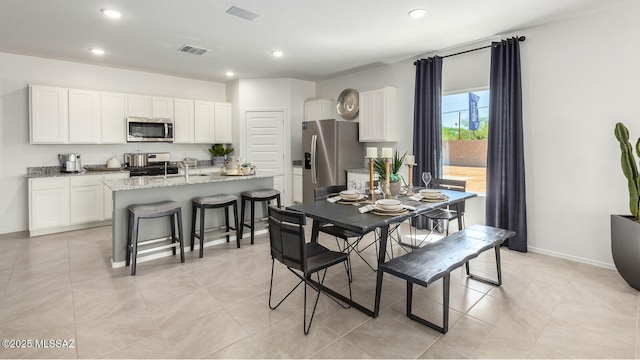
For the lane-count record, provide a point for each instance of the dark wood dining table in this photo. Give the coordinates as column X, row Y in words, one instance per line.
column 348, row 217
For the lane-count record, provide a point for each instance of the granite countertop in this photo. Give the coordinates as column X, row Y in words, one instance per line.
column 147, row 182
column 359, row 170
column 54, row 171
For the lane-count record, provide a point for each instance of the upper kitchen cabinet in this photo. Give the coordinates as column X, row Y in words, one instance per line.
column 139, row 105
column 48, row 115
column 162, row 107
column 222, row 123
column 149, row 106
column 212, row 122
column 318, row 109
column 204, row 121
column 183, row 121
column 378, row 114
column 84, row 117
column 114, row 113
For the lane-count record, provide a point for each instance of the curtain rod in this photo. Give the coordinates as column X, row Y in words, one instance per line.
column 520, row 38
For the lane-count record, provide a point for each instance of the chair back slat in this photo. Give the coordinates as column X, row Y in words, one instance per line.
column 323, row 193
column 449, row 184
column 286, row 237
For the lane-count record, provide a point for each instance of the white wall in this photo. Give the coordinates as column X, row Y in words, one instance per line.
column 579, row 78
column 287, row 95
column 16, row 154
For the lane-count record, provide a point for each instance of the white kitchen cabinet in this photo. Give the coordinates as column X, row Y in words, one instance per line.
column 162, row 107
column 84, row 117
column 183, row 122
column 108, row 194
column 222, row 123
column 86, row 199
column 113, row 107
column 378, row 115
column 48, row 115
column 48, row 203
column 204, row 122
column 297, row 184
column 138, row 105
column 319, row 109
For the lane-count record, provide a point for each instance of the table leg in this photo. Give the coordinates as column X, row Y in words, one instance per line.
column 315, row 230
column 384, row 235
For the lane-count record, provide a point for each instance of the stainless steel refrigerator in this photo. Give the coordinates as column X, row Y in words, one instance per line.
column 329, row 148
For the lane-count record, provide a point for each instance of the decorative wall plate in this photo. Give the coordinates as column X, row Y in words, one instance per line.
column 347, row 105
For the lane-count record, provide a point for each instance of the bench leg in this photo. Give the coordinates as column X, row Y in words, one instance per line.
column 486, row 280
column 445, row 306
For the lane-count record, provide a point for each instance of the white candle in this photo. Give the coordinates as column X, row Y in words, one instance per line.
column 372, row 152
column 387, row 153
column 410, row 159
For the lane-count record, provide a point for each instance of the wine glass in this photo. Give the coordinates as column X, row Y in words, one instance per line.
column 426, row 178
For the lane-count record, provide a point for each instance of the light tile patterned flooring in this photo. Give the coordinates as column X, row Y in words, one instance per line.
column 63, row 287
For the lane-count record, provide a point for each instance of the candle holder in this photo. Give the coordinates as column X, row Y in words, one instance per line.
column 410, row 184
column 372, row 192
column 387, row 185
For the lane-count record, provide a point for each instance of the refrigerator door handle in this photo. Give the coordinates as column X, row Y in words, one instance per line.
column 314, row 144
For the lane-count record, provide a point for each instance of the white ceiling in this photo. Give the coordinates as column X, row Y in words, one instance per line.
column 320, row 38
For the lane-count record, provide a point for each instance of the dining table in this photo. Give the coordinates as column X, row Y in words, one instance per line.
column 348, row 215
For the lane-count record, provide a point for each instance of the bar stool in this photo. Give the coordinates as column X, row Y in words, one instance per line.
column 149, row 211
column 262, row 195
column 213, row 202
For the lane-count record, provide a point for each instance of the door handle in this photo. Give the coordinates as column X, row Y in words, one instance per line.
column 314, row 174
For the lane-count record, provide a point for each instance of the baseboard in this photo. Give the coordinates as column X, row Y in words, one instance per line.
column 68, row 228
column 573, row 258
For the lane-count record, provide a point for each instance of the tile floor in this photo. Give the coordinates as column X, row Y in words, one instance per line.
column 62, row 287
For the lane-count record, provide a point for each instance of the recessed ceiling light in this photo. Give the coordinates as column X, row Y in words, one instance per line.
column 112, row 13
column 277, row 53
column 417, row 13
column 229, row 73
column 97, row 51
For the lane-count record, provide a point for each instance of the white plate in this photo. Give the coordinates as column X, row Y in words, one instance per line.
column 388, row 202
column 350, row 194
column 360, row 197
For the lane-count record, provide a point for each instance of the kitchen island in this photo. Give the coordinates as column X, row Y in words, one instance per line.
column 149, row 189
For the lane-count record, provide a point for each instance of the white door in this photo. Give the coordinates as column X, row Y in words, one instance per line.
column 265, row 144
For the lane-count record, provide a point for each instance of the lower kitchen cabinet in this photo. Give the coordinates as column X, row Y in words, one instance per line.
column 86, row 199
column 48, row 203
column 297, row 184
column 58, row 204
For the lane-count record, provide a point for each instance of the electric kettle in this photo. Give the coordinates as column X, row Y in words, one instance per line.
column 70, row 163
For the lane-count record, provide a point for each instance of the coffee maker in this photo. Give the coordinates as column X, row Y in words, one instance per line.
column 70, row 163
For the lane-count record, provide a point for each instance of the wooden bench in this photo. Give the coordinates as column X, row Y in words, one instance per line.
column 425, row 265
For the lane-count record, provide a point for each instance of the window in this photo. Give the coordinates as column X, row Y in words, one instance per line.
column 465, row 130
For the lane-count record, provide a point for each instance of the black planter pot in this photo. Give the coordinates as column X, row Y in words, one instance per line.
column 625, row 247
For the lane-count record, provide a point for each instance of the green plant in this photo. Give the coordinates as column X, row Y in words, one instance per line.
column 396, row 163
column 629, row 168
column 219, row 150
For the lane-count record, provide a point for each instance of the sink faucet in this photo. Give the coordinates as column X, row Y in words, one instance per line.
column 186, row 170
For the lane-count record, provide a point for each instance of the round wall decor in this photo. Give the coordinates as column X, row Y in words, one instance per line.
column 347, row 105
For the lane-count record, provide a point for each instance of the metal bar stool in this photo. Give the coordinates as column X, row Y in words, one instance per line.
column 214, row 202
column 262, row 195
column 149, row 211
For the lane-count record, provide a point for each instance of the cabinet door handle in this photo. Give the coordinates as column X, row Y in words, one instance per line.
column 314, row 175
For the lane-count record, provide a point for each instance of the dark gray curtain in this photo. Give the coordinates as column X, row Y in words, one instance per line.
column 506, row 196
column 427, row 122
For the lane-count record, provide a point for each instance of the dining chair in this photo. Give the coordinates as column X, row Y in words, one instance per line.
column 350, row 239
column 446, row 215
column 288, row 246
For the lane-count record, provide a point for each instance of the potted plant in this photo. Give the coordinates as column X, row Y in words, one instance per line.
column 625, row 229
column 218, row 154
column 394, row 167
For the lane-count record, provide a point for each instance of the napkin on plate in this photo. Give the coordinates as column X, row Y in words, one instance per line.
column 366, row 208
column 408, row 207
column 416, row 197
column 334, row 199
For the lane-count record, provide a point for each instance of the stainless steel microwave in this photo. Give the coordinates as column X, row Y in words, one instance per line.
column 149, row 130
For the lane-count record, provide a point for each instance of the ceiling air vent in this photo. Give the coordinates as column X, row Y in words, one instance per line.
column 242, row 13
column 190, row 49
